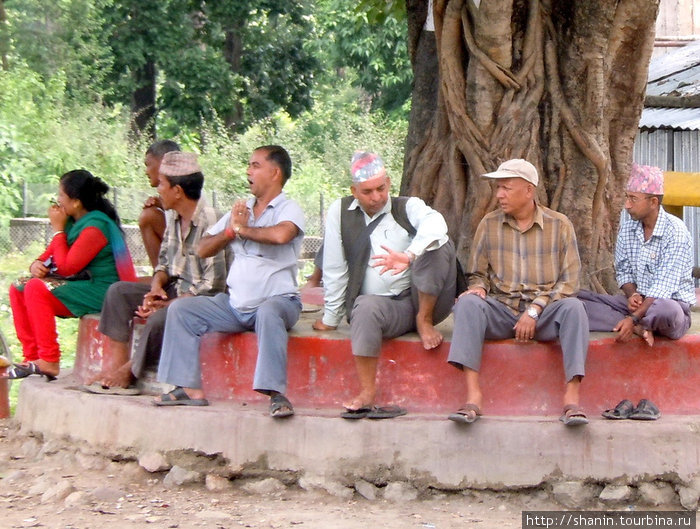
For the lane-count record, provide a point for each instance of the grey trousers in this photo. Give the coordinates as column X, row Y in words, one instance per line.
column 477, row 319
column 665, row 317
column 377, row 317
column 190, row 318
column 121, row 301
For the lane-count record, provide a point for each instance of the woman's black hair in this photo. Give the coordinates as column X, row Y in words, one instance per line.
column 90, row 190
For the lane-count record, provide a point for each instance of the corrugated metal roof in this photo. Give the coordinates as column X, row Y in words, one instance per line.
column 676, row 73
column 673, row 118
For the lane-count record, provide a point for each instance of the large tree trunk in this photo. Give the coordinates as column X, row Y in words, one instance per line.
column 557, row 82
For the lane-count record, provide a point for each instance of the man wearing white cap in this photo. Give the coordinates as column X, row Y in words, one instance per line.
column 653, row 266
column 179, row 273
column 523, row 275
column 389, row 266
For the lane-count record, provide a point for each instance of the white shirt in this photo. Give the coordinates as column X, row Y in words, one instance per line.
column 431, row 234
column 260, row 270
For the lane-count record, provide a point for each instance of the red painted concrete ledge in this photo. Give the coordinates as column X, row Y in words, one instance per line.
column 517, row 379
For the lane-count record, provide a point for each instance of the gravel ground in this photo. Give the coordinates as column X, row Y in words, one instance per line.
column 55, row 484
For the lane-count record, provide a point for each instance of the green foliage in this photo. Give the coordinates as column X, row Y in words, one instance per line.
column 371, row 39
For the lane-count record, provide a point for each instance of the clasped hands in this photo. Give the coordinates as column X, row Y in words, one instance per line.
column 154, row 300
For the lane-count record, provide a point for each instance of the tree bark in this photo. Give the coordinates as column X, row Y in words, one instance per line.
column 143, row 100
column 233, row 53
column 558, row 82
column 4, row 37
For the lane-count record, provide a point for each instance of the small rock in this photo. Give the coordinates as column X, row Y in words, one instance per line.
column 13, row 477
column 657, row 493
column 400, row 491
column 366, row 489
column 334, row 488
column 89, row 462
column 30, row 448
column 573, row 494
column 689, row 497
column 264, row 486
column 616, row 493
column 181, row 476
column 58, row 492
column 52, row 446
column 41, row 486
column 153, row 462
column 216, row 483
column 76, row 498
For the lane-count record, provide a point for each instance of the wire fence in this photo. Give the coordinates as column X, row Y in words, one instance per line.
column 33, row 226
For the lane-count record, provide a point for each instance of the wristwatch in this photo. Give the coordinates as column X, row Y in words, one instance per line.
column 532, row 312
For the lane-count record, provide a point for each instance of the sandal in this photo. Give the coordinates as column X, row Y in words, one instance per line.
column 621, row 411
column 386, row 412
column 359, row 413
column 179, row 397
column 280, row 406
column 573, row 415
column 646, row 410
column 18, row 371
column 466, row 415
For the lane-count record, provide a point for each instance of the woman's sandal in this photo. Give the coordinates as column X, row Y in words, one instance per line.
column 18, row 371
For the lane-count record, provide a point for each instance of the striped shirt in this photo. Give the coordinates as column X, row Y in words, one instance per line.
column 538, row 265
column 660, row 267
column 178, row 254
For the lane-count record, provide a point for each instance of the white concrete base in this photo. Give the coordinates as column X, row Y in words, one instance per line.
column 430, row 451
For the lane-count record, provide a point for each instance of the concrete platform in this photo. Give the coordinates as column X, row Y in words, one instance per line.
column 517, row 379
column 495, row 452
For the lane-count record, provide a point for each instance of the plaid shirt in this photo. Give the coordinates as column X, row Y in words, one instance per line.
column 178, row 255
column 538, row 265
column 660, row 267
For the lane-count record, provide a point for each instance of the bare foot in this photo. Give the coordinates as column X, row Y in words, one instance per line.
column 644, row 334
column 358, row 402
column 121, row 378
column 50, row 368
column 429, row 335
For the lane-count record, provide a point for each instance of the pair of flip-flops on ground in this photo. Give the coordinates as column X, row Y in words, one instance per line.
column 645, row 410
column 373, row 412
column 18, row 371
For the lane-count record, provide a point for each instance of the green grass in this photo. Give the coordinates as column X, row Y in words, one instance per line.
column 12, row 266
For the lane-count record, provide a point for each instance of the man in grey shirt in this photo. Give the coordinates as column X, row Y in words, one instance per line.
column 264, row 234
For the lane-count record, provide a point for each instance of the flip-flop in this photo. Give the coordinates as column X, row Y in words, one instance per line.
column 573, row 415
column 386, row 412
column 646, row 410
column 359, row 413
column 18, row 371
column 178, row 397
column 280, row 407
column 101, row 389
column 466, row 415
column 621, row 411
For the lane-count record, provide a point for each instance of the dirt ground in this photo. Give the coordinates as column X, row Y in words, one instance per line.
column 59, row 486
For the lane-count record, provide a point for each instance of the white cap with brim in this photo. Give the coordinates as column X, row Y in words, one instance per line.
column 517, row 168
